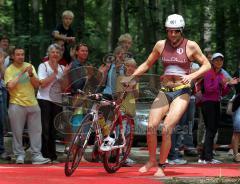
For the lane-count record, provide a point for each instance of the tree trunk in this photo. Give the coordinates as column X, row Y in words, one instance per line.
column 21, row 17
column 21, row 24
column 49, row 15
column 34, row 32
column 233, row 34
column 220, row 27
column 116, row 22
column 145, row 27
column 153, row 17
column 205, row 40
column 81, row 19
column 126, row 21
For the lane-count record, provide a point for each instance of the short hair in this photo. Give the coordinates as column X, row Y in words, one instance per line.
column 54, row 46
column 68, row 13
column 4, row 37
column 17, row 48
column 118, row 49
column 130, row 61
column 125, row 37
column 78, row 45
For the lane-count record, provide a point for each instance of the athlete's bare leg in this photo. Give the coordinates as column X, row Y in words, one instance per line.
column 176, row 110
column 158, row 110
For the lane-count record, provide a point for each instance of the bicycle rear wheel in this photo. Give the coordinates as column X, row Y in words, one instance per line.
column 78, row 146
column 114, row 159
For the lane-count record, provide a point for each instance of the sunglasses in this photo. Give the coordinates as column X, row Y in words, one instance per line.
column 173, row 30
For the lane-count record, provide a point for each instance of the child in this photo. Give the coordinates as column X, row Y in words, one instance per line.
column 129, row 104
column 64, row 32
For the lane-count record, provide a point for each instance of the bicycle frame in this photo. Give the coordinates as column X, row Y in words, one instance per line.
column 92, row 117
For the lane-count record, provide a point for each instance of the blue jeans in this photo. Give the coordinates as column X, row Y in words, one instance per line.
column 3, row 115
column 189, row 123
column 236, row 121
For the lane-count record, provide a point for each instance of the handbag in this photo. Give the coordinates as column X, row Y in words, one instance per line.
column 229, row 110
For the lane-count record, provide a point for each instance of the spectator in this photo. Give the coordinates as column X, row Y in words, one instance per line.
column 236, row 118
column 215, row 86
column 77, row 77
column 4, row 44
column 62, row 60
column 125, row 41
column 201, row 127
column 119, row 54
column 128, row 105
column 21, row 81
column 49, row 72
column 65, row 32
column 3, row 108
column 81, row 75
column 187, row 141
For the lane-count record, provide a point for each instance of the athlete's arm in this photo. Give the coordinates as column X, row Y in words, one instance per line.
column 195, row 54
column 152, row 58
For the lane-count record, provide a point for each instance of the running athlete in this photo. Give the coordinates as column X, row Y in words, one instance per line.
column 176, row 54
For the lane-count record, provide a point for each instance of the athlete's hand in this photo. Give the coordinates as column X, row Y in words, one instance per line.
column 128, row 81
column 186, row 79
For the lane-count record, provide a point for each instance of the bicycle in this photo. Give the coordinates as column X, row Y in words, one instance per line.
column 122, row 127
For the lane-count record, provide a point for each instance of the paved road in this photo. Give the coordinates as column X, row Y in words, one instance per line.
column 139, row 154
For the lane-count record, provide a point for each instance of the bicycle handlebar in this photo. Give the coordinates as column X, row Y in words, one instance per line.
column 96, row 97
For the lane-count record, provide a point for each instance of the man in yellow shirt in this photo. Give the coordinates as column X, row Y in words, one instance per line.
column 21, row 80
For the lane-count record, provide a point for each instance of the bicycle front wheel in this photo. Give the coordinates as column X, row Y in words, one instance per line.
column 78, row 146
column 114, row 159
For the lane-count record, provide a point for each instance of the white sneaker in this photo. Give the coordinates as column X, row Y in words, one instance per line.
column 214, row 161
column 200, row 161
column 230, row 152
column 20, row 159
column 129, row 161
column 40, row 160
column 177, row 162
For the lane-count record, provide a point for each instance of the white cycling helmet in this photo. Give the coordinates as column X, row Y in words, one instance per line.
column 175, row 21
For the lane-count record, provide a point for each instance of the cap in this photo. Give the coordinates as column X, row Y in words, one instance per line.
column 217, row 54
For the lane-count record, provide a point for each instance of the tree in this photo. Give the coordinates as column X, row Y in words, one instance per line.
column 34, row 32
column 80, row 15
column 125, row 12
column 116, row 22
column 49, row 15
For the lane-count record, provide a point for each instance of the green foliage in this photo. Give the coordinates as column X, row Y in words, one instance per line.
column 6, row 17
column 224, row 26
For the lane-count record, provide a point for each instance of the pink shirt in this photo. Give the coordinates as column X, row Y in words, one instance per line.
column 213, row 86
